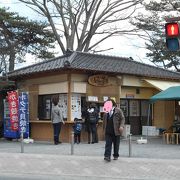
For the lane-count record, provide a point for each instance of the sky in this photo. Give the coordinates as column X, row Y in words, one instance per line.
column 122, row 46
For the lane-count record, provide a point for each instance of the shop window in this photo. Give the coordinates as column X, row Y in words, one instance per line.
column 146, row 118
column 124, row 107
column 144, row 108
column 78, row 106
column 134, row 108
column 63, row 104
column 44, row 107
column 84, row 107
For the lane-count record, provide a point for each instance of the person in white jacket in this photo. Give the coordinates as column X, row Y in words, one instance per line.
column 57, row 119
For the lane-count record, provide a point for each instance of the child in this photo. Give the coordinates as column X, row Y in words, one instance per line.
column 77, row 127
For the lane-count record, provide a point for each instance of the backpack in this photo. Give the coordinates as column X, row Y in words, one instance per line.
column 92, row 117
column 78, row 127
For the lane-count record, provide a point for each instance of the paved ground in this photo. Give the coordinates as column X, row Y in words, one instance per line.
column 155, row 148
column 43, row 160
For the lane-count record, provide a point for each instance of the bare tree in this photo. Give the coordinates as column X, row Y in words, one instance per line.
column 83, row 24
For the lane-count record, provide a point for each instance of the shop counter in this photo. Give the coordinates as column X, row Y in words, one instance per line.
column 43, row 130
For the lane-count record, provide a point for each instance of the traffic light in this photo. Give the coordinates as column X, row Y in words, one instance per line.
column 172, row 36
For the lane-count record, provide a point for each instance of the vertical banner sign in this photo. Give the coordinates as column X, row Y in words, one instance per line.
column 13, row 107
column 23, row 113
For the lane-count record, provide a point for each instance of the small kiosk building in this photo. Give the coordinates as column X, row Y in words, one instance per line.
column 81, row 78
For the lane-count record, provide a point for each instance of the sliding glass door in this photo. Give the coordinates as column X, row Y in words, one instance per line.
column 136, row 114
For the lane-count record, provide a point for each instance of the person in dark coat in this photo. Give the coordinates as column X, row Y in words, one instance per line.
column 91, row 122
column 113, row 123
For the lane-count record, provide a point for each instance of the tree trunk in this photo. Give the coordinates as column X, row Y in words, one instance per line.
column 12, row 60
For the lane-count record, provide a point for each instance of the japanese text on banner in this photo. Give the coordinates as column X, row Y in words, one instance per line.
column 23, row 113
column 13, row 107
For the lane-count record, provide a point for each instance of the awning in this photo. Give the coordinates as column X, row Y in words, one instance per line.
column 172, row 93
column 161, row 85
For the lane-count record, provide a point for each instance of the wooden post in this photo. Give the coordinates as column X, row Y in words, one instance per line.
column 69, row 97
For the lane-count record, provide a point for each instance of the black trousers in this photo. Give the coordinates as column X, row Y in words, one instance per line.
column 92, row 133
column 57, row 130
column 112, row 140
column 77, row 137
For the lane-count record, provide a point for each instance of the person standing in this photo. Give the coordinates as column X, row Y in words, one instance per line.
column 92, row 121
column 57, row 119
column 113, row 125
column 77, row 127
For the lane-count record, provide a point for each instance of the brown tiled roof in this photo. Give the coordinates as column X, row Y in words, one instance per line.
column 98, row 63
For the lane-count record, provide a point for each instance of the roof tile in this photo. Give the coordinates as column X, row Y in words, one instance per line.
column 96, row 62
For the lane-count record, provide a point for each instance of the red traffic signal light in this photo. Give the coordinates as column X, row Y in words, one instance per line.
column 172, row 29
column 172, row 36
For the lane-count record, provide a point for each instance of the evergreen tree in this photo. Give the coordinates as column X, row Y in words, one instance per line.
column 153, row 24
column 20, row 36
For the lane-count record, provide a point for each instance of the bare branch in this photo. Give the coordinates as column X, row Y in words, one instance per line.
column 81, row 20
column 102, row 50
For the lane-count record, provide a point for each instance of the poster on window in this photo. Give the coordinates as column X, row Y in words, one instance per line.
column 23, row 113
column 13, row 109
column 76, row 106
column 63, row 104
column 48, row 108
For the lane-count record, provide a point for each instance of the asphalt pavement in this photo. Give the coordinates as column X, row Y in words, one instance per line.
column 44, row 160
